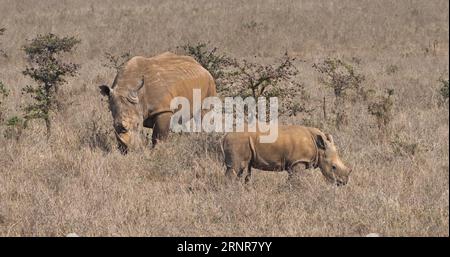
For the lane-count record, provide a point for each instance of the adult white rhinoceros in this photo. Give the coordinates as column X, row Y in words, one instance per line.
column 142, row 90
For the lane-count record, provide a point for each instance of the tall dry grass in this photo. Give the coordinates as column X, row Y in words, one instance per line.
column 78, row 182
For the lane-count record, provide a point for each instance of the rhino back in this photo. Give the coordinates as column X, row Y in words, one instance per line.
column 294, row 144
column 166, row 76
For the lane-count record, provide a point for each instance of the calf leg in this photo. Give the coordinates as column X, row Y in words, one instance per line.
column 241, row 172
column 161, row 128
column 249, row 173
column 236, row 170
column 230, row 173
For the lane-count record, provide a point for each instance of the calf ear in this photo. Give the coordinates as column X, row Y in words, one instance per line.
column 330, row 138
column 105, row 90
column 320, row 141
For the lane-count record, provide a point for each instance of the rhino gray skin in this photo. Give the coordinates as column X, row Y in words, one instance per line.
column 142, row 90
column 296, row 147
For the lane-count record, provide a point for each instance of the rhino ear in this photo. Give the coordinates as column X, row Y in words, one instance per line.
column 105, row 90
column 320, row 141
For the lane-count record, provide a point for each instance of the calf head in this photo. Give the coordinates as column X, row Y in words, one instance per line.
column 331, row 166
column 127, row 115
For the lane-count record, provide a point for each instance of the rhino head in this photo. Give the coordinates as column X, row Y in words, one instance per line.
column 331, row 166
column 127, row 115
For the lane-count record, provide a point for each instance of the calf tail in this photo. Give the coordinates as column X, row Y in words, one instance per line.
column 252, row 149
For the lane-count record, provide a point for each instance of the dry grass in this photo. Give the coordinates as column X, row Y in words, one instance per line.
column 78, row 182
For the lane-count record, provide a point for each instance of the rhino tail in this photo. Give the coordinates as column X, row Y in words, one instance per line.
column 222, row 150
column 213, row 89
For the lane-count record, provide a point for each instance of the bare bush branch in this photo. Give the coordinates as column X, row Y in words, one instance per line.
column 345, row 82
column 116, row 61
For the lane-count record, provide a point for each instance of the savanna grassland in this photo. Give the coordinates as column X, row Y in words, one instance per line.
column 77, row 181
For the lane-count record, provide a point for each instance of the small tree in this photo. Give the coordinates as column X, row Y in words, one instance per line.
column 244, row 78
column 48, row 70
column 381, row 108
column 343, row 79
column 253, row 79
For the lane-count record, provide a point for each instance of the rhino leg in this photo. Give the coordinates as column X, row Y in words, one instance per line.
column 161, row 128
column 229, row 173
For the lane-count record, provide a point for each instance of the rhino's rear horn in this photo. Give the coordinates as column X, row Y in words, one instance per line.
column 133, row 94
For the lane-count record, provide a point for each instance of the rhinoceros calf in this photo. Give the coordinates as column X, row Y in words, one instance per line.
column 142, row 90
column 296, row 147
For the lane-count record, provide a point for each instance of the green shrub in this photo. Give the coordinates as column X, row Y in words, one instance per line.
column 381, row 108
column 444, row 90
column 4, row 92
column 2, row 52
column 15, row 126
